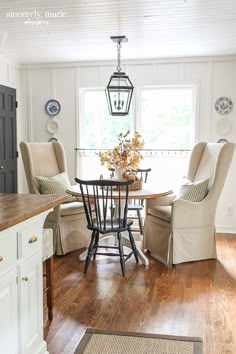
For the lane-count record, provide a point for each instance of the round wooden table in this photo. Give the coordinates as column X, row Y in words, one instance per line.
column 147, row 192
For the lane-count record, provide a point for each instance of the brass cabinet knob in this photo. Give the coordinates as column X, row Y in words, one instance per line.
column 1, row 167
column 1, row 258
column 25, row 278
column 33, row 239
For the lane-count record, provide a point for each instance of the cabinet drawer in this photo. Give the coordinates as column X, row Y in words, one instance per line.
column 8, row 254
column 29, row 240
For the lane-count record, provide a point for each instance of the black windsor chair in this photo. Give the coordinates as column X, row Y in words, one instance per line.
column 98, row 197
column 138, row 204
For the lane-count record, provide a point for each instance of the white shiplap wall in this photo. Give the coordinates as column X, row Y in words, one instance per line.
column 214, row 77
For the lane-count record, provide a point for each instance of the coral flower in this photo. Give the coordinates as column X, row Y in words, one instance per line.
column 126, row 154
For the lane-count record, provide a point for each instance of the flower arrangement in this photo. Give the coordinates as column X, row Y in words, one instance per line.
column 125, row 155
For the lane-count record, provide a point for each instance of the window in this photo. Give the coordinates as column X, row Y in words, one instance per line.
column 166, row 117
column 98, row 129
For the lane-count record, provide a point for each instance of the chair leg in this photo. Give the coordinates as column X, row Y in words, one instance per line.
column 90, row 252
column 133, row 245
column 96, row 245
column 49, row 286
column 140, row 221
column 122, row 259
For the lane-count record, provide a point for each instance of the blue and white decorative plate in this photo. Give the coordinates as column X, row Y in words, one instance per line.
column 52, row 107
column 222, row 140
column 223, row 105
column 52, row 139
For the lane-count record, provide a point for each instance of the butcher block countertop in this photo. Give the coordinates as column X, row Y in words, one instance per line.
column 15, row 207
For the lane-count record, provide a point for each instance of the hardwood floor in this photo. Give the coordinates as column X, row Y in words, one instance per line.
column 192, row 299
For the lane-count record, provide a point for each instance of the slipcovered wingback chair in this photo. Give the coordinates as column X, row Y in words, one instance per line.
column 182, row 228
column 46, row 173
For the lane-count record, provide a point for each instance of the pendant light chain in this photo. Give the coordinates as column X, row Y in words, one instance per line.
column 119, row 46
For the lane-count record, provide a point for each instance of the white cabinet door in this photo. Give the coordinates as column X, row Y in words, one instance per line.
column 30, row 304
column 8, row 313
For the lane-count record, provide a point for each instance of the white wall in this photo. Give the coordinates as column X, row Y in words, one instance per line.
column 214, row 78
column 10, row 75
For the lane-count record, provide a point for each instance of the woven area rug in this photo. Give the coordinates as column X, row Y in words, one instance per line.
column 107, row 342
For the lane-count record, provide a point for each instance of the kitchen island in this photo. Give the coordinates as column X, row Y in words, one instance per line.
column 22, row 217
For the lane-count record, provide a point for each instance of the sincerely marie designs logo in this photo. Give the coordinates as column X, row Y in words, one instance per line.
column 35, row 17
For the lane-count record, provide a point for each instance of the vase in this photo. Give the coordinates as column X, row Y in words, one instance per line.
column 118, row 173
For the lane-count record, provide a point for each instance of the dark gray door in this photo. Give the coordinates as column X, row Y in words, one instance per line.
column 8, row 152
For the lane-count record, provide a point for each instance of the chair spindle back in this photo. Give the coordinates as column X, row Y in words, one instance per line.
column 98, row 197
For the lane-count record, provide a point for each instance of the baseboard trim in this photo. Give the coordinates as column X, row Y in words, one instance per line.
column 225, row 230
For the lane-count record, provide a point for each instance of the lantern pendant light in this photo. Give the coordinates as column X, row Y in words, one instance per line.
column 119, row 90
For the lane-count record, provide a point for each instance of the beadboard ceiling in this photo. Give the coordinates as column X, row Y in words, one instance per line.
column 78, row 30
